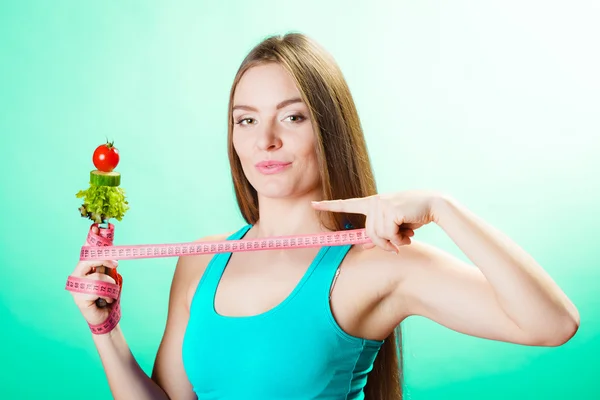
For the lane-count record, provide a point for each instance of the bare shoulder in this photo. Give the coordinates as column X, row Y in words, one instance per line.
column 419, row 273
column 389, row 281
column 419, row 259
column 369, row 279
column 390, row 267
column 409, row 259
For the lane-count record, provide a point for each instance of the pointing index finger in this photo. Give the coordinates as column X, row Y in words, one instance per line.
column 352, row 206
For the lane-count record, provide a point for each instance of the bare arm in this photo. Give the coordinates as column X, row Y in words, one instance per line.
column 126, row 378
column 508, row 297
column 168, row 369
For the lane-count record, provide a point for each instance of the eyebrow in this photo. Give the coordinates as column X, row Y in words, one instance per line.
column 284, row 103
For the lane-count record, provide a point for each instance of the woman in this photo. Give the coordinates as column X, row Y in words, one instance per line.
column 315, row 323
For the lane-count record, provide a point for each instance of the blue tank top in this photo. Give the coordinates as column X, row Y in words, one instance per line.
column 295, row 351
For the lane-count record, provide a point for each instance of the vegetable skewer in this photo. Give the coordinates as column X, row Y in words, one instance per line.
column 104, row 198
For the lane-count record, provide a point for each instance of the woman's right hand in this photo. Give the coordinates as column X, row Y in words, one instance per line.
column 93, row 271
column 93, row 314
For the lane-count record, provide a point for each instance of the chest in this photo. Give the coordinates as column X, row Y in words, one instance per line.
column 257, row 283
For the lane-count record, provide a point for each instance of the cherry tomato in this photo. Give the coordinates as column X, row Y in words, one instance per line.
column 106, row 157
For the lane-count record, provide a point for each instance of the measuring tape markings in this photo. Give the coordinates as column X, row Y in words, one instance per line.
column 99, row 247
column 101, row 252
column 75, row 284
column 89, row 286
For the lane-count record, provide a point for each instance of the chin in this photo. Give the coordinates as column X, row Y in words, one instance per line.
column 279, row 190
column 275, row 191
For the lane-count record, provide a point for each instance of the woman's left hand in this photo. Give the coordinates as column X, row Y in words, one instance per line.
column 391, row 219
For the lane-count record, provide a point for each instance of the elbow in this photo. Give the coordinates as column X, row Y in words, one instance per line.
column 561, row 333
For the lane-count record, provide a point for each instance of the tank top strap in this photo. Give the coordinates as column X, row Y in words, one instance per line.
column 205, row 291
column 240, row 233
column 317, row 289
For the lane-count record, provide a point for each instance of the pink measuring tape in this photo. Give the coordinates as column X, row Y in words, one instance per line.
column 100, row 247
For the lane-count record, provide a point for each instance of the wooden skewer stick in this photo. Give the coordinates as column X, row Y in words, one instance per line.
column 100, row 302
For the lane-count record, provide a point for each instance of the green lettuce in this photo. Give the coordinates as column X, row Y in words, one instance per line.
column 103, row 202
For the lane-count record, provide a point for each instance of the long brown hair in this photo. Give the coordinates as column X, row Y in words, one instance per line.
column 342, row 155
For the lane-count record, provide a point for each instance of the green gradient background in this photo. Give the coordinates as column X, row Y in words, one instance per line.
column 495, row 103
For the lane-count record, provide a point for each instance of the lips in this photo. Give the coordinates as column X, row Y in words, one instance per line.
column 269, row 167
column 271, row 163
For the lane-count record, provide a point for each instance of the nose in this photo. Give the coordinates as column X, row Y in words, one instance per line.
column 268, row 137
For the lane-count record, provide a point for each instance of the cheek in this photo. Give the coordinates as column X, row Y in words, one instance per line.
column 240, row 147
column 311, row 155
column 308, row 155
column 306, row 146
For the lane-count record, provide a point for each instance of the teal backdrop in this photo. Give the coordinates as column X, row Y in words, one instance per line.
column 493, row 102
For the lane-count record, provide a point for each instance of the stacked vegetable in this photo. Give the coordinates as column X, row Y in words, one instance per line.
column 104, row 198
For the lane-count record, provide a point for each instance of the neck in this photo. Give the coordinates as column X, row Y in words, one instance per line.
column 287, row 216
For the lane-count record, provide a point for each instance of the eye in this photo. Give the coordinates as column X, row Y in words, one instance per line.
column 242, row 120
column 296, row 118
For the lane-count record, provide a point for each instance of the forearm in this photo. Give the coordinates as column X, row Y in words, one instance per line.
column 526, row 293
column 125, row 377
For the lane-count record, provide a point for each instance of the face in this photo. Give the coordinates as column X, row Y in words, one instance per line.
column 273, row 135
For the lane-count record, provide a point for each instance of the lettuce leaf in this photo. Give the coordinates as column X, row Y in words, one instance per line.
column 103, row 202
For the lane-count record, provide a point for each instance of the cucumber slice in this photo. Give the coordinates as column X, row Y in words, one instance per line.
column 100, row 178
